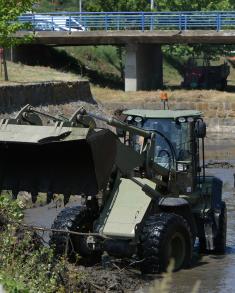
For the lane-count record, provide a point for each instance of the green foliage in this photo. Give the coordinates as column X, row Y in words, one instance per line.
column 196, row 5
column 10, row 210
column 170, row 5
column 25, row 264
column 198, row 50
column 95, row 5
column 141, row 5
column 137, row 5
column 121, row 5
column 49, row 5
column 9, row 11
column 24, row 268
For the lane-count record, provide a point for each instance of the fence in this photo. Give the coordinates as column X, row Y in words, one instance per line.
column 140, row 21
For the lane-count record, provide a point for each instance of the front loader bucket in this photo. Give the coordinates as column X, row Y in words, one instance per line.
column 65, row 164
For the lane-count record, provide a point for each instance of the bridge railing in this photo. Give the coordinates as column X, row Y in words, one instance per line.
column 141, row 21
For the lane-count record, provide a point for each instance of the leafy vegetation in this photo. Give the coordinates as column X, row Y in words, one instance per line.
column 95, row 5
column 25, row 264
column 196, row 5
column 137, row 5
column 206, row 51
column 9, row 11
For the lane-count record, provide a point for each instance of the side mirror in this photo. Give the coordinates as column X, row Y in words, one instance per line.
column 200, row 129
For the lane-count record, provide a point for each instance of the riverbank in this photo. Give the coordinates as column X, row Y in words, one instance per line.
column 218, row 107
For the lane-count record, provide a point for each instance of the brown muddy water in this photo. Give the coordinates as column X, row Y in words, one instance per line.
column 215, row 273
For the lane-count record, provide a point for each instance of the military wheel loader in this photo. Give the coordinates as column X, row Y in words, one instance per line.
column 145, row 193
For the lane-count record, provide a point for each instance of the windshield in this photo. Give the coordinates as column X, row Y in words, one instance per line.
column 178, row 135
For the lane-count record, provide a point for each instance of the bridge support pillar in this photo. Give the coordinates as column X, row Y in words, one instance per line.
column 143, row 67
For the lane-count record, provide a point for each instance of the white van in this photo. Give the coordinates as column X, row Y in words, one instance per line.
column 67, row 22
column 53, row 22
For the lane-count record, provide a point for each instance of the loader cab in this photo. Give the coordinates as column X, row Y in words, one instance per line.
column 176, row 145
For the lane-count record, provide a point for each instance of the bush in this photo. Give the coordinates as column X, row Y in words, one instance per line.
column 25, row 264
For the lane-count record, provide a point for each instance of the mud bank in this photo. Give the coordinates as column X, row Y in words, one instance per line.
column 55, row 98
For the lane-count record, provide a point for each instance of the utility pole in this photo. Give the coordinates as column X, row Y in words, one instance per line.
column 80, row 6
column 152, row 5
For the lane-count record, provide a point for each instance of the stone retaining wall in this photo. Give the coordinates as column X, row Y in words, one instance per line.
column 64, row 97
column 14, row 97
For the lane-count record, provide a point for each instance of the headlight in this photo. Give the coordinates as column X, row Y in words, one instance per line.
column 181, row 119
column 190, row 119
column 181, row 167
column 138, row 119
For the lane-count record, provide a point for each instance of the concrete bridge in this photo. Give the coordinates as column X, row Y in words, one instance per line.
column 142, row 34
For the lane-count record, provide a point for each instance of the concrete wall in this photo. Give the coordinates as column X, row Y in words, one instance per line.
column 150, row 67
column 143, row 67
column 14, row 97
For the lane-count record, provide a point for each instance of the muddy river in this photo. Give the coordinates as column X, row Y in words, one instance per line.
column 215, row 273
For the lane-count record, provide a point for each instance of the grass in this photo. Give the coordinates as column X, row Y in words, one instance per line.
column 107, row 95
column 105, row 61
column 99, row 58
column 172, row 71
column 19, row 73
column 101, row 65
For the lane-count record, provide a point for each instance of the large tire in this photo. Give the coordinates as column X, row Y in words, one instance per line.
column 220, row 234
column 220, row 238
column 77, row 219
column 164, row 237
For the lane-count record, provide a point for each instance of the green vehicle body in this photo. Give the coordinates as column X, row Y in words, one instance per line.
column 140, row 185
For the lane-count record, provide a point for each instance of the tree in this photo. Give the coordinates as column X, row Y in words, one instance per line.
column 210, row 52
column 195, row 5
column 9, row 25
column 114, row 5
column 160, row 5
column 137, row 5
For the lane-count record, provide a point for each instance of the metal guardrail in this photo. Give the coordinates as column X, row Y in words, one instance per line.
column 142, row 21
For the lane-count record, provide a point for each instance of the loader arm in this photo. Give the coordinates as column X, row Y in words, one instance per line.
column 68, row 158
column 143, row 160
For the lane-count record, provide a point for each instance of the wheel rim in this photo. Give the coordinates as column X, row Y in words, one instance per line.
column 176, row 250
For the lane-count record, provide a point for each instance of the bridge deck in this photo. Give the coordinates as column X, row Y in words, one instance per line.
column 126, row 37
